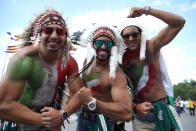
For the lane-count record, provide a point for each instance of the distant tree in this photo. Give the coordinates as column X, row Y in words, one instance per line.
column 185, row 90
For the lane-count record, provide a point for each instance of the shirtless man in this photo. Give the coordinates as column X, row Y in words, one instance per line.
column 34, row 74
column 105, row 96
column 141, row 64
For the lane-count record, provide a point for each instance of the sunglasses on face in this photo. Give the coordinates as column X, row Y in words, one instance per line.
column 132, row 34
column 99, row 43
column 49, row 30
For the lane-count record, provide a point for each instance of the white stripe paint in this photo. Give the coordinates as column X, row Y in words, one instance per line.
column 101, row 117
column 143, row 80
column 93, row 83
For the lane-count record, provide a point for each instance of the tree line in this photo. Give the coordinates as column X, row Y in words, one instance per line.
column 185, row 89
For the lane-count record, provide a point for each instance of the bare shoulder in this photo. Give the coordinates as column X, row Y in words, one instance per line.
column 120, row 78
column 21, row 65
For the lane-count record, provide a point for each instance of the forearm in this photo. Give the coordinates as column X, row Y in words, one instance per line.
column 16, row 112
column 73, row 104
column 116, row 111
column 169, row 18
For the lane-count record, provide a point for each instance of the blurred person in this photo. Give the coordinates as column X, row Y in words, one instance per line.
column 191, row 107
column 177, row 106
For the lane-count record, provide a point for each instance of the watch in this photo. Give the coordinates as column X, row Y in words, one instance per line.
column 92, row 104
column 147, row 9
column 64, row 114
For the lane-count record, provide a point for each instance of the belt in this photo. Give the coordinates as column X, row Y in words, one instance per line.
column 162, row 99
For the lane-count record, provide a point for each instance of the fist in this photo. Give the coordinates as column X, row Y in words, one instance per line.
column 136, row 12
column 143, row 108
column 85, row 95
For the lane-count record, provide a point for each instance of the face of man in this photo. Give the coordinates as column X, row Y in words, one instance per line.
column 53, row 37
column 103, row 46
column 131, row 37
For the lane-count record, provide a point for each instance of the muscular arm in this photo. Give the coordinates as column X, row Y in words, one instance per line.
column 175, row 24
column 10, row 108
column 119, row 109
column 74, row 86
column 121, row 106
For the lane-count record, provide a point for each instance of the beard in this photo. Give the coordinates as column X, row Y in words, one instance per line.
column 103, row 58
column 53, row 50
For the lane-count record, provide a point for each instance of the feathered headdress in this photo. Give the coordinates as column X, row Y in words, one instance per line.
column 86, row 40
column 49, row 16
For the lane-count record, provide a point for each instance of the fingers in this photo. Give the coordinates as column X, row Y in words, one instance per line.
column 45, row 109
column 135, row 12
column 130, row 13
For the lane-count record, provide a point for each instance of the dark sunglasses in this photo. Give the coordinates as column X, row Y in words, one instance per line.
column 132, row 34
column 99, row 43
column 49, row 30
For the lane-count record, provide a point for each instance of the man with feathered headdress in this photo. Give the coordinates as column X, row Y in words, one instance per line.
column 145, row 67
column 105, row 97
column 35, row 73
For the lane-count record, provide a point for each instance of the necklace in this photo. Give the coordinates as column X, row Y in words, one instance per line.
column 49, row 67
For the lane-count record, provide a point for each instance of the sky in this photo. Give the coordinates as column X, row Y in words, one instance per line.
column 179, row 54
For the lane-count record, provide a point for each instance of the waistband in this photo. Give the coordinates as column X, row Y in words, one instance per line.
column 88, row 114
column 164, row 99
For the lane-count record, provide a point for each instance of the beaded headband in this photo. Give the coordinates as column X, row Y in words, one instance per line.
column 103, row 31
column 47, row 19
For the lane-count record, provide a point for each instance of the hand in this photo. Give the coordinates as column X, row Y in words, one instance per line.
column 136, row 12
column 27, row 50
column 51, row 118
column 143, row 108
column 85, row 95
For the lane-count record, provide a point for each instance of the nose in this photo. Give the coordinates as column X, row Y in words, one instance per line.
column 130, row 37
column 54, row 34
column 103, row 46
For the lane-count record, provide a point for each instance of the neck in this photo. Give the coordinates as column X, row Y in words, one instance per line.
column 101, row 63
column 49, row 57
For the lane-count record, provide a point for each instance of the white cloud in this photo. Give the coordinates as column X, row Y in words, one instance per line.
column 157, row 2
column 193, row 6
column 141, row 0
column 107, row 16
column 81, row 22
column 161, row 2
column 187, row 6
column 180, row 65
column 80, row 54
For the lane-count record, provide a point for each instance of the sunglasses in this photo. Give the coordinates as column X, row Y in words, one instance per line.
column 99, row 43
column 49, row 30
column 132, row 34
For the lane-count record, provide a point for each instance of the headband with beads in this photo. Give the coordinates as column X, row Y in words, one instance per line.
column 47, row 19
column 103, row 31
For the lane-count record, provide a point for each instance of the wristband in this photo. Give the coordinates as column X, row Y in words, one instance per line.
column 147, row 9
